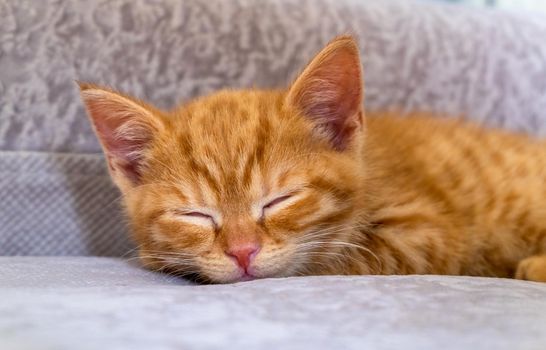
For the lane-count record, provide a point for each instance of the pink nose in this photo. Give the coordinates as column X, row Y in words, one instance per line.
column 244, row 254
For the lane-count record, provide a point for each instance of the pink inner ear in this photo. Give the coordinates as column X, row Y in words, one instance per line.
column 335, row 108
column 330, row 92
column 123, row 135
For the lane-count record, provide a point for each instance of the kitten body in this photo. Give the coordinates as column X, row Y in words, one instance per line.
column 450, row 197
column 251, row 184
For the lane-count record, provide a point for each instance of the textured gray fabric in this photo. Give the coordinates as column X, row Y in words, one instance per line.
column 95, row 304
column 417, row 55
column 58, row 204
column 489, row 64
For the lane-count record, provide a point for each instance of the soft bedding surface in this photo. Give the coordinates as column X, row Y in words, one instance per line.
column 102, row 303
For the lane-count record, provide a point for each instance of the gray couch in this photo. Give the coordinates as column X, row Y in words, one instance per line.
column 85, row 291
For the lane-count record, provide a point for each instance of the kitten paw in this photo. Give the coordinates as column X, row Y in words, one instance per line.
column 532, row 269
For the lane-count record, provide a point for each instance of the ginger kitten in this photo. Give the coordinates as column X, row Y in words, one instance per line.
column 251, row 184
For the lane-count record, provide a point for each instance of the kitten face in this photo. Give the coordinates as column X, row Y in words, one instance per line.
column 241, row 184
column 245, row 175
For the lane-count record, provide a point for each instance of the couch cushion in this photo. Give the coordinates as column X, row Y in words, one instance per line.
column 100, row 303
column 59, row 204
column 417, row 55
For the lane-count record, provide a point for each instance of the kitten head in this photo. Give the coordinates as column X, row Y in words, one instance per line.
column 242, row 184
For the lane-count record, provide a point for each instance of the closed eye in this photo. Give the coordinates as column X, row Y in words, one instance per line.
column 197, row 217
column 197, row 214
column 274, row 203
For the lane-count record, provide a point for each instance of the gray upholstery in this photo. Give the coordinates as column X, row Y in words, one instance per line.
column 56, row 197
column 99, row 303
column 486, row 63
column 59, row 204
column 489, row 65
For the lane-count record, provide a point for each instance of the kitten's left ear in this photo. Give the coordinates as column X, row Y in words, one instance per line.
column 329, row 91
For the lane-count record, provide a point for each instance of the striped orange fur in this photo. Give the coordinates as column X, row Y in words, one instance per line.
column 308, row 184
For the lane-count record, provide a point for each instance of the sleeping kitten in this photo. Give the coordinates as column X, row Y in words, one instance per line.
column 251, row 184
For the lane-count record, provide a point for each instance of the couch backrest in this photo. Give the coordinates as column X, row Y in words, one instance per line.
column 56, row 198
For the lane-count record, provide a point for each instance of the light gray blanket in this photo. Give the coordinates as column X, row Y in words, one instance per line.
column 100, row 303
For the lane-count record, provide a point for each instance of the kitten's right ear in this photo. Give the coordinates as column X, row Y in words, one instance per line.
column 125, row 128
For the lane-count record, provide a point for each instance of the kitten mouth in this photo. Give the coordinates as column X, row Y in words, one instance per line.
column 246, row 277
